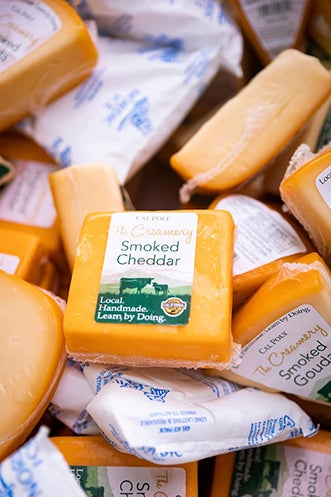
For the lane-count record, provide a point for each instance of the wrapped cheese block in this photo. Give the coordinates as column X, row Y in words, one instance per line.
column 32, row 357
column 252, row 127
column 45, row 50
column 152, row 288
column 306, row 192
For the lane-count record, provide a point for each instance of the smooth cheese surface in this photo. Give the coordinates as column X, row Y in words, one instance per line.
column 32, row 357
column 46, row 51
column 84, row 452
column 253, row 126
column 22, row 254
column 79, row 190
column 167, row 327
column 285, row 329
column 307, row 193
column 265, row 239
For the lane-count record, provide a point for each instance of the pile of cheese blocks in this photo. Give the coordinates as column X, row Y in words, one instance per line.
column 233, row 286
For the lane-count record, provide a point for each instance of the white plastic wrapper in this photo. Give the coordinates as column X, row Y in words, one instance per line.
column 168, row 416
column 155, row 61
column 70, row 399
column 38, row 469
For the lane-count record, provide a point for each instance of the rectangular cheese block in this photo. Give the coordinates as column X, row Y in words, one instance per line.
column 79, row 190
column 22, row 254
column 253, row 126
column 296, row 467
column 91, row 458
column 306, row 191
column 32, row 356
column 285, row 330
column 152, row 288
column 45, row 50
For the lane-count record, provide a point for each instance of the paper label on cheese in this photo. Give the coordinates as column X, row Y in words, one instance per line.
column 275, row 23
column 263, row 235
column 292, row 355
column 9, row 262
column 28, row 198
column 120, row 481
column 24, row 26
column 323, row 185
column 280, row 471
column 148, row 269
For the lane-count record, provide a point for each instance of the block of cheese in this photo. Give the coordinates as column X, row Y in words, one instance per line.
column 273, row 27
column 79, row 190
column 26, row 203
column 319, row 25
column 285, row 332
column 306, row 192
column 152, row 288
column 46, row 49
column 316, row 133
column 22, row 254
column 32, row 357
column 265, row 239
column 295, row 467
column 252, row 127
column 92, row 458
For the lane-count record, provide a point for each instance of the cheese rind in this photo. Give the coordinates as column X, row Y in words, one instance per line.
column 60, row 55
column 32, row 357
column 204, row 340
column 253, row 126
column 79, row 190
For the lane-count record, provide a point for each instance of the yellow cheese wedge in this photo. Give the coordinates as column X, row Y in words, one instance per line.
column 32, row 357
column 319, row 25
column 79, row 190
column 22, row 254
column 273, row 27
column 285, row 329
column 306, row 192
column 299, row 466
column 92, row 455
column 265, row 239
column 45, row 50
column 152, row 288
column 252, row 127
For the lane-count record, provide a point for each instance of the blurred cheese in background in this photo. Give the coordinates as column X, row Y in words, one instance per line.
column 319, row 24
column 271, row 26
column 45, row 50
column 284, row 330
column 306, row 192
column 79, row 190
column 252, row 127
column 265, row 239
column 32, row 356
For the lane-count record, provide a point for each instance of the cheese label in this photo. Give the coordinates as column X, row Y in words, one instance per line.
column 263, row 235
column 148, row 269
column 117, row 481
column 292, row 355
column 28, row 198
column 24, row 26
column 9, row 262
column 323, row 185
column 281, row 471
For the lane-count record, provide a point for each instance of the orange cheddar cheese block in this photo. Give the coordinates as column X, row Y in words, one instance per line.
column 32, row 356
column 306, row 191
column 45, row 50
column 152, row 288
column 296, row 467
column 272, row 26
column 93, row 459
column 22, row 254
column 252, row 127
column 285, row 330
column 79, row 190
column 265, row 239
